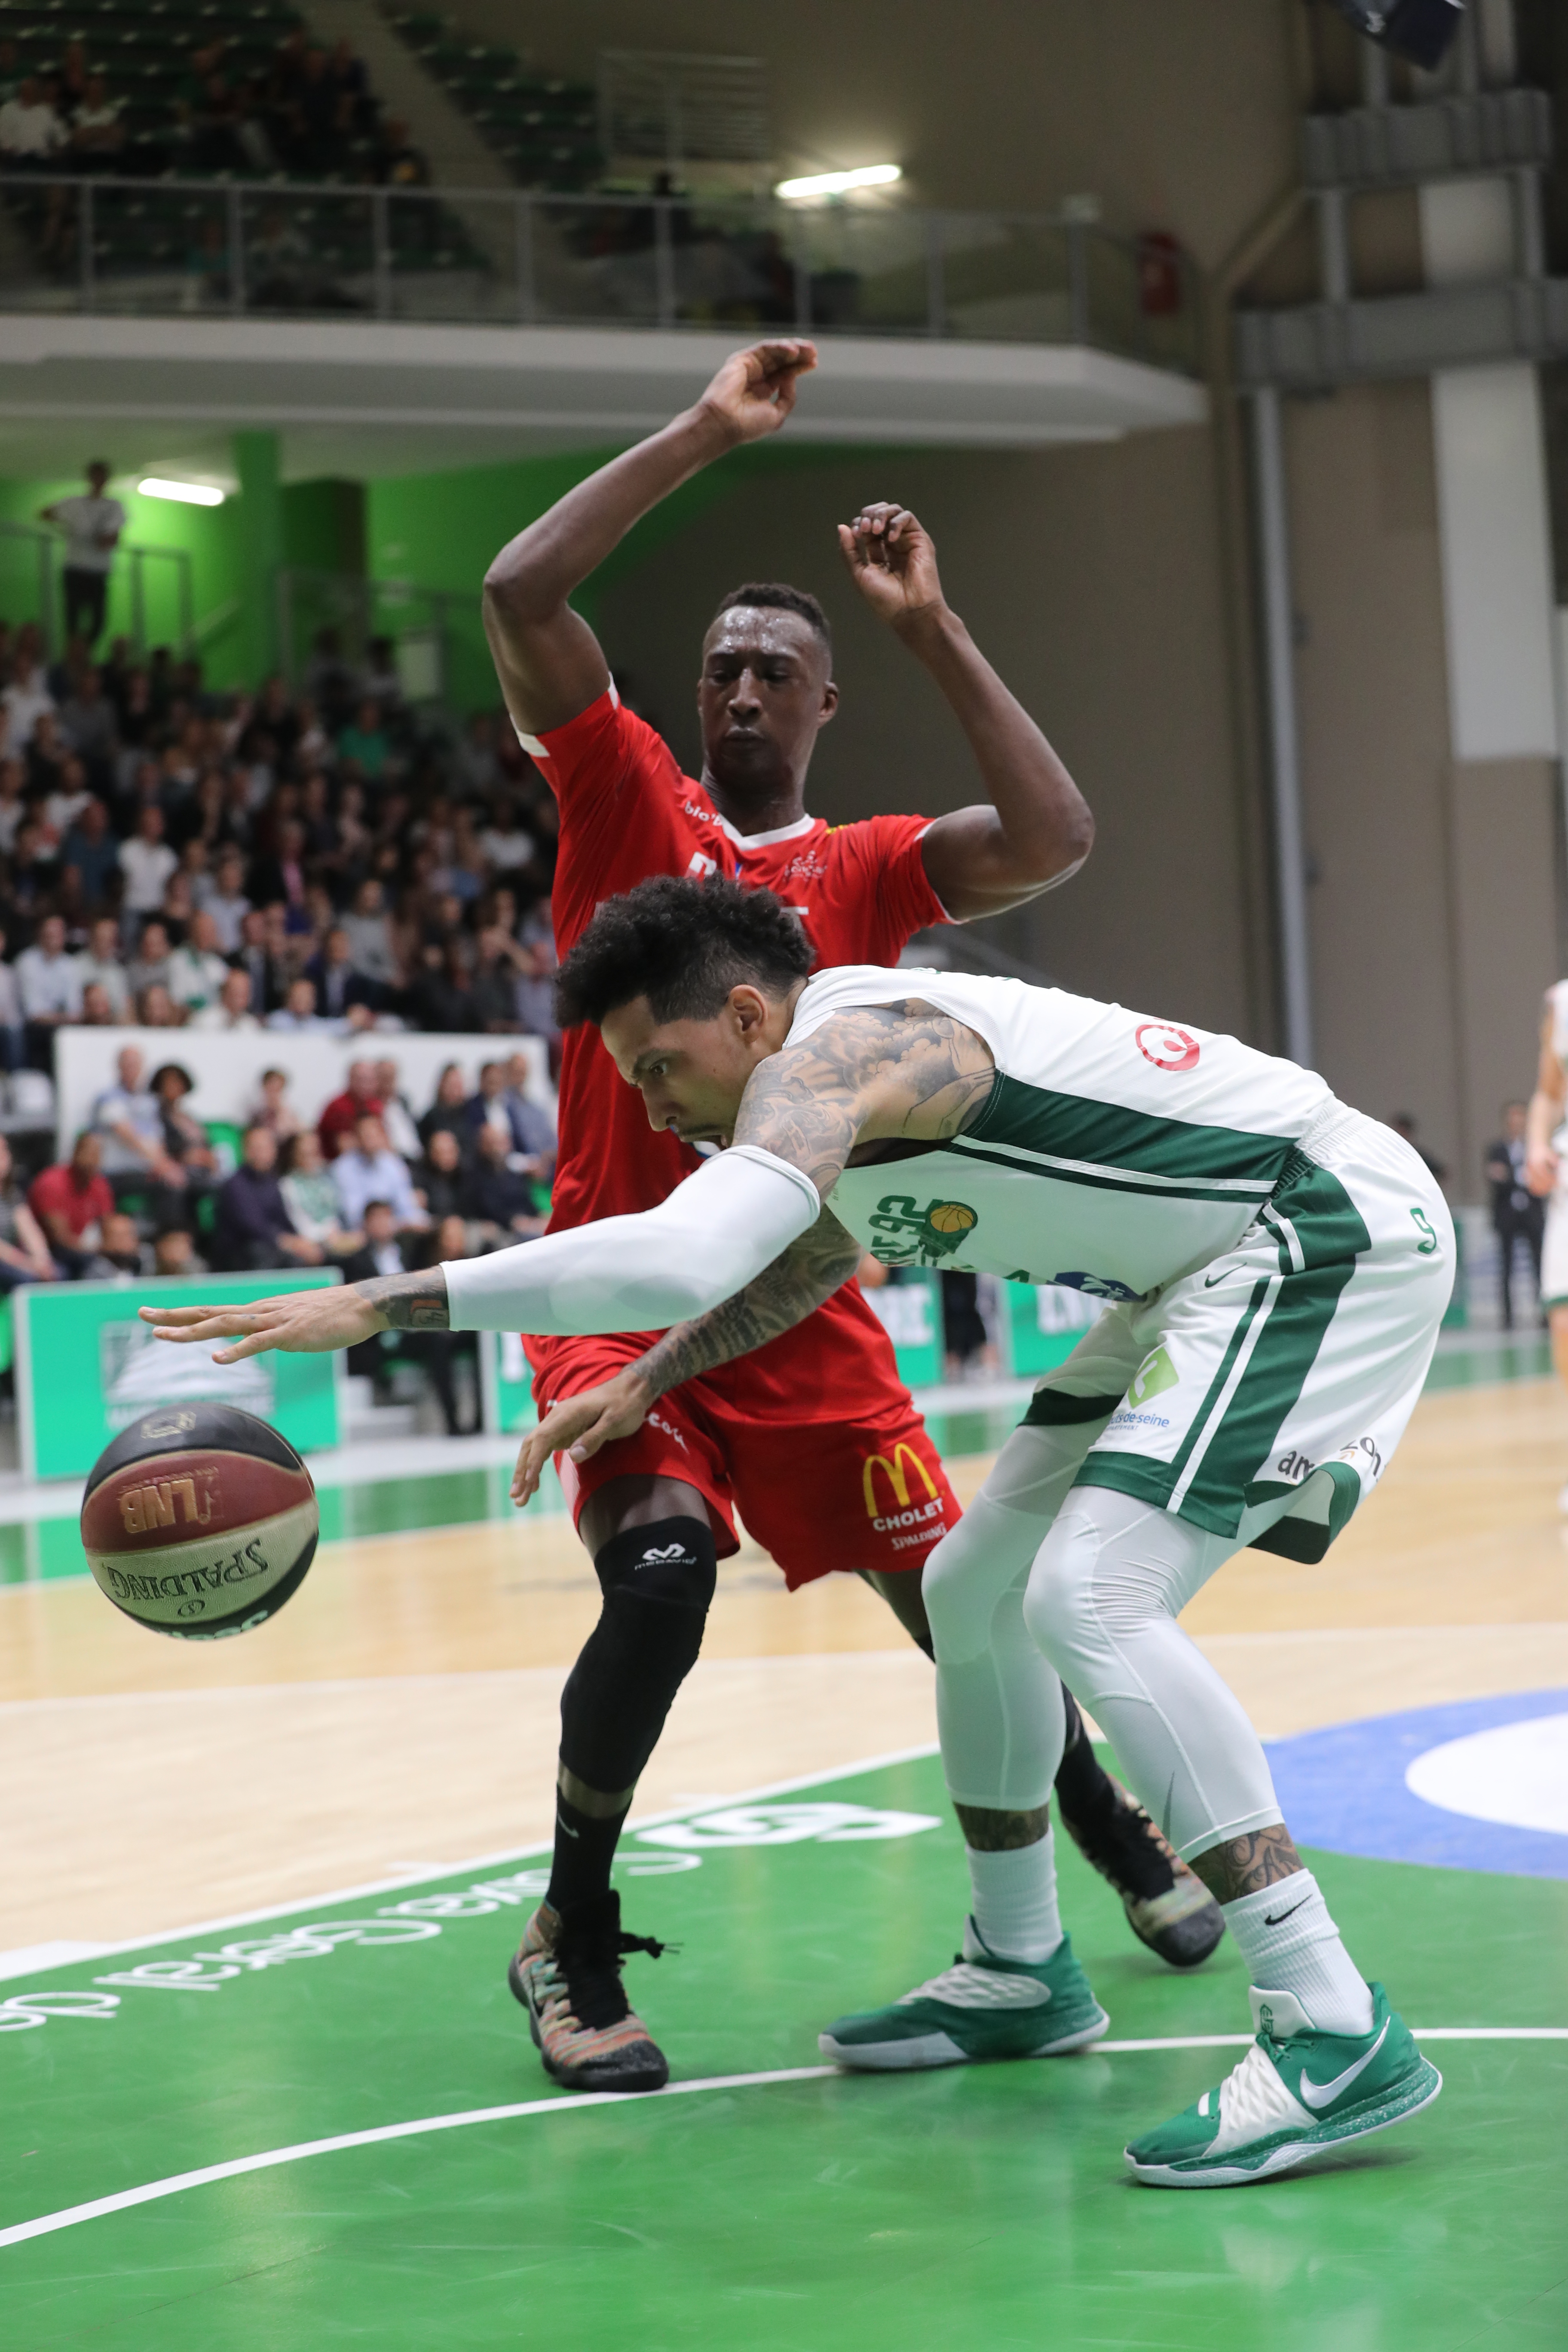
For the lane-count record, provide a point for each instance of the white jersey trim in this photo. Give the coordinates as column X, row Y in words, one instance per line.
column 537, row 750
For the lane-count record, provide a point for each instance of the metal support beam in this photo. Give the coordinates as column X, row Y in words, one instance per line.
column 1284, row 754
column 1333, row 246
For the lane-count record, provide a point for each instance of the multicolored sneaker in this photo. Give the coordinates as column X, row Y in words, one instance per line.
column 983, row 2007
column 1295, row 2093
column 1168, row 1907
column 567, row 1974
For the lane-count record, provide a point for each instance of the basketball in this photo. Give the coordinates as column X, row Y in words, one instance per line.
column 199, row 1521
column 951, row 1217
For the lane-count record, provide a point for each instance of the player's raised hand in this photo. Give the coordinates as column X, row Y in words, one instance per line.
column 299, row 1322
column 892, row 561
column 754, row 391
column 579, row 1426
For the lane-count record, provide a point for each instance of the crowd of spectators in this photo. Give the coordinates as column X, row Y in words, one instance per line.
column 364, row 1184
column 305, row 110
column 315, row 862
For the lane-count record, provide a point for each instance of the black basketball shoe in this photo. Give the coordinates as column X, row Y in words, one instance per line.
column 567, row 1974
column 1168, row 1907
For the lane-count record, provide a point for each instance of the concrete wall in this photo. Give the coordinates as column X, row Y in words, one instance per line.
column 1434, row 902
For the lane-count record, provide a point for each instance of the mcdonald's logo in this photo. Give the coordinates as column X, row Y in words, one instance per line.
column 905, row 1459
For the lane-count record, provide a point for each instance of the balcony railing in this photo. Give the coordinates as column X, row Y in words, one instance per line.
column 214, row 248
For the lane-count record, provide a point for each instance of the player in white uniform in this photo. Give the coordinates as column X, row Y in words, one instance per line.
column 1278, row 1265
column 1546, row 1173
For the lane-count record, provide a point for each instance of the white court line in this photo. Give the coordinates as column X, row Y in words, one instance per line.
column 152, row 2190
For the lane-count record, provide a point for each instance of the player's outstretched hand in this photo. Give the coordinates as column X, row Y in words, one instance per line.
column 1540, row 1169
column 578, row 1426
column 754, row 391
column 299, row 1322
column 892, row 561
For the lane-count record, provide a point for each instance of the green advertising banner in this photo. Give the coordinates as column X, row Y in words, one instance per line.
column 1043, row 1325
column 506, row 1384
column 86, row 1368
column 910, row 1311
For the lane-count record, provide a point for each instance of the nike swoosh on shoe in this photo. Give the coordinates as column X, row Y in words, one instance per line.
column 1318, row 2096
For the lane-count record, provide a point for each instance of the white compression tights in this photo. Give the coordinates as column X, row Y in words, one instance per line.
column 1091, row 1581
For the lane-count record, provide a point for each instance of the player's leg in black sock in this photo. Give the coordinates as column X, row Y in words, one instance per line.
column 1167, row 1908
column 657, row 1567
column 900, row 1589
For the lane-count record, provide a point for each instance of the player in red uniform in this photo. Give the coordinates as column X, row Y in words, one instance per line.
column 815, row 1436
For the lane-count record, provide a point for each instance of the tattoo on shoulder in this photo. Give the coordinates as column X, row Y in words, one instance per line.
column 930, row 1075
column 411, row 1302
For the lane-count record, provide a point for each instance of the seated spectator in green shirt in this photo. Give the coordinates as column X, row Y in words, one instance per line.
column 364, row 741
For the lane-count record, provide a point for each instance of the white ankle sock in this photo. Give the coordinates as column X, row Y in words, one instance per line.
column 1290, row 1943
column 1015, row 1900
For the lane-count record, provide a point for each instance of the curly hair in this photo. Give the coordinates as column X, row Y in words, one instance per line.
column 777, row 595
column 683, row 944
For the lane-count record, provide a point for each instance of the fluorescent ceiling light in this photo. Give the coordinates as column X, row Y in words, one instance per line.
column 834, row 183
column 188, row 494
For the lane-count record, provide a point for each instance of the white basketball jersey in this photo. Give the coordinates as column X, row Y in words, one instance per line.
column 1115, row 1152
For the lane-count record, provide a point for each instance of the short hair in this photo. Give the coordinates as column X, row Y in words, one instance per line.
column 777, row 595
column 683, row 944
column 171, row 1070
column 380, row 1204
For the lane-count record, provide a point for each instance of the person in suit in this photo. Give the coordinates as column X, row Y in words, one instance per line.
column 386, row 1251
column 1518, row 1213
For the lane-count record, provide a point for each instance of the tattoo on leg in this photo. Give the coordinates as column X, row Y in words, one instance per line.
column 1245, row 1866
column 986, row 1832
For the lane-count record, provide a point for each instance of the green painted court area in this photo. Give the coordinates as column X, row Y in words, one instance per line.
column 982, row 2205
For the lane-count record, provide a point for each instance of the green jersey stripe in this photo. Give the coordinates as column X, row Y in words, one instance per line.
column 1102, row 1134
column 1195, row 1186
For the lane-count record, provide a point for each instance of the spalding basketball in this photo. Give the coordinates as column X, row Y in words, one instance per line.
column 199, row 1521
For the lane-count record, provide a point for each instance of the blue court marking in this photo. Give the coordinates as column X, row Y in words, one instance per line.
column 1343, row 1790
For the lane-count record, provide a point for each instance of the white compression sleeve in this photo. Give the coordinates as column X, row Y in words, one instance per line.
column 714, row 1235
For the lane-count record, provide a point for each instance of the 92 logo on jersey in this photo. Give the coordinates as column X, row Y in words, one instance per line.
column 1168, row 1047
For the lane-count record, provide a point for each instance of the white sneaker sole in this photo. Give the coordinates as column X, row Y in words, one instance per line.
column 1285, row 2158
column 940, row 2050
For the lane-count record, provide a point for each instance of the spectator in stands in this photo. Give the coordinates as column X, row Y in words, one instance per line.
column 92, row 524
column 97, row 1012
column 13, row 808
column 146, row 861
column 232, row 1010
column 441, row 1177
column 24, row 701
column 254, row 958
column 370, row 939
column 96, row 133
column 156, row 1009
column 87, row 723
column 441, row 995
column 385, row 1250
column 13, row 1034
column 175, row 1255
column 253, row 1227
column 70, row 1199
column 342, row 1113
column 501, row 1201
column 90, row 853
column 31, row 131
column 312, row 1197
column 151, row 965
column 449, row 1109
column 272, row 1107
column 337, row 983
column 397, row 1113
column 129, row 1121
column 118, row 1254
column 185, row 1136
column 49, row 987
column 364, row 741
column 532, row 1128
column 222, row 896
column 298, row 1010
column 24, row 1251
column 371, row 1171
column 197, row 972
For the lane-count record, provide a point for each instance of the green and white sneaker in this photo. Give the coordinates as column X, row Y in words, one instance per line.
column 981, row 2007
column 1295, row 2093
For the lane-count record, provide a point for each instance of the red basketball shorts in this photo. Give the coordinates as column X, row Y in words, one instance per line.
column 861, row 1492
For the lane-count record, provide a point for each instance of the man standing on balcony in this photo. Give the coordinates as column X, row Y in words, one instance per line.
column 93, row 525
column 814, row 1438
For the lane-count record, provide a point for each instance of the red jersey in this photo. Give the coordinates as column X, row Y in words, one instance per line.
column 862, row 891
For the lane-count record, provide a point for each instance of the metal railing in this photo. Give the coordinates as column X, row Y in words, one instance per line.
column 421, row 625
column 226, row 247
column 38, row 584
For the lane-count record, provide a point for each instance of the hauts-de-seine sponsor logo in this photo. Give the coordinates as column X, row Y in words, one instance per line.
column 1154, row 1375
column 902, row 1513
column 917, row 1236
column 1168, row 1047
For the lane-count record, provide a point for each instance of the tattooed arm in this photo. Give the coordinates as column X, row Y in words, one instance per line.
column 783, row 1295
column 872, row 1074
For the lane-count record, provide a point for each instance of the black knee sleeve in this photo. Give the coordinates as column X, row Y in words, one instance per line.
column 658, row 1582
